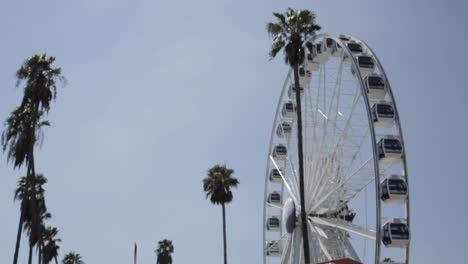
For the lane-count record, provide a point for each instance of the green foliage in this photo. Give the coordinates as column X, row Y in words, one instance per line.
column 51, row 247
column 23, row 126
column 290, row 31
column 72, row 258
column 217, row 185
column 30, row 192
column 164, row 251
column 22, row 132
column 40, row 78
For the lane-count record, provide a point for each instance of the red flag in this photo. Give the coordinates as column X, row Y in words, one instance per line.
column 135, row 254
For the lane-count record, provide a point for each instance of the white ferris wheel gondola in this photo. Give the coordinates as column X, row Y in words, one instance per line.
column 284, row 130
column 375, row 87
column 394, row 189
column 275, row 176
column 396, row 233
column 273, row 223
column 289, row 109
column 383, row 114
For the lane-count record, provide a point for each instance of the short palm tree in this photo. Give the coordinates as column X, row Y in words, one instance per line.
column 37, row 232
column 164, row 251
column 50, row 247
column 291, row 33
column 217, row 186
column 72, row 258
column 29, row 220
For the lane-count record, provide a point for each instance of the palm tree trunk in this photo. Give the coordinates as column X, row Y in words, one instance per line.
column 41, row 248
column 300, row 153
column 224, row 233
column 30, row 253
column 18, row 236
column 34, row 209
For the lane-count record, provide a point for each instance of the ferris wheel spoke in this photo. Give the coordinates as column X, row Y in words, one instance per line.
column 347, row 178
column 296, row 253
column 331, row 119
column 336, row 111
column 319, row 239
column 344, row 225
column 349, row 247
column 315, row 193
column 359, row 179
column 320, row 231
column 278, row 242
column 286, row 181
column 339, row 187
column 317, row 168
column 286, row 252
column 294, row 178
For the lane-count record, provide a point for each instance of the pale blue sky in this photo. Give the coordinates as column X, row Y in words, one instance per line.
column 158, row 91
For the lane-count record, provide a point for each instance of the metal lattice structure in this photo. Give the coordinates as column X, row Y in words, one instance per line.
column 353, row 147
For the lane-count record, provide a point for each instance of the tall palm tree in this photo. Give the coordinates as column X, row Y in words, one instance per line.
column 164, row 251
column 72, row 258
column 291, row 32
column 51, row 247
column 217, row 186
column 23, row 126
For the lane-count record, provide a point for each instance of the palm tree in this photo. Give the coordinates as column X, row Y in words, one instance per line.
column 24, row 193
column 37, row 230
column 164, row 251
column 72, row 258
column 41, row 81
column 292, row 31
column 217, row 186
column 23, row 126
column 51, row 247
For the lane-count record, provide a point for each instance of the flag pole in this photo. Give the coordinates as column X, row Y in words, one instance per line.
column 135, row 251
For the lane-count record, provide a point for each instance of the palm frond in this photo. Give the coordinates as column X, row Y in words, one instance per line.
column 274, row 29
column 280, row 17
column 305, row 16
column 276, row 46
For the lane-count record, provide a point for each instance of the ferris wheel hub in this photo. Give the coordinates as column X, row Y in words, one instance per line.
column 289, row 215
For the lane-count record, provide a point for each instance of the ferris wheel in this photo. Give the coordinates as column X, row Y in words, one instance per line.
column 355, row 175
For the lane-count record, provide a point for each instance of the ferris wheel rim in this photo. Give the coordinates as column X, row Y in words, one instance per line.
column 401, row 137
column 373, row 138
